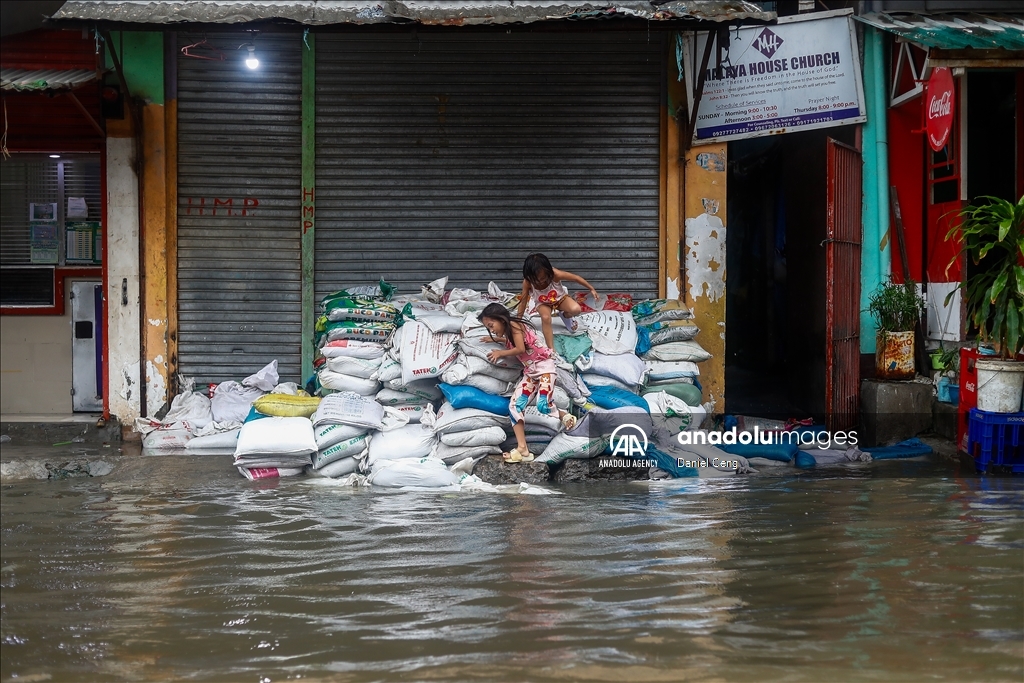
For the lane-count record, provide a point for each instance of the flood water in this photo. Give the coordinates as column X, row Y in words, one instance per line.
column 176, row 568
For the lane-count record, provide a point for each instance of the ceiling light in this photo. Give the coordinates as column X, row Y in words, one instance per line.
column 251, row 60
column 55, row 156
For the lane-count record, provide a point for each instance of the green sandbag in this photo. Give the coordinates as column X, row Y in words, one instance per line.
column 571, row 348
column 687, row 393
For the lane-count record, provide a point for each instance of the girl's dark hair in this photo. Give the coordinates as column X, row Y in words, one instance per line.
column 537, row 265
column 499, row 312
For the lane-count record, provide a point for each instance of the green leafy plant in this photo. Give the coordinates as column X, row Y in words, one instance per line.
column 896, row 307
column 991, row 234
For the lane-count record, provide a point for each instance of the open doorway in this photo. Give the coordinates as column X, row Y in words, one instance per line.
column 776, row 274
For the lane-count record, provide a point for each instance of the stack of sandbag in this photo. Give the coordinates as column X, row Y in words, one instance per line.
column 284, row 400
column 274, row 446
column 665, row 341
column 342, row 427
column 411, row 441
column 350, row 365
column 590, row 437
column 467, row 432
column 366, row 322
column 472, row 367
column 456, row 446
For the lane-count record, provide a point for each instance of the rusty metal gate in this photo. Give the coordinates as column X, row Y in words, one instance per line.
column 842, row 278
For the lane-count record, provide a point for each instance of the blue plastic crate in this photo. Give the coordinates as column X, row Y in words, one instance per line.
column 996, row 440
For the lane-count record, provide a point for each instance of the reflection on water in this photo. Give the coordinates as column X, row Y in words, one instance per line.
column 176, row 568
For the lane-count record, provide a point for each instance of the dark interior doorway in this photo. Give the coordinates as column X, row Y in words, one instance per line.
column 775, row 274
column 991, row 133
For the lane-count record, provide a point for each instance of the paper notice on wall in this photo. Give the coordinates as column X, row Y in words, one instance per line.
column 43, row 244
column 77, row 208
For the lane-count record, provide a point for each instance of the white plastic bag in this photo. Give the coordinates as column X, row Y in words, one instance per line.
column 190, row 407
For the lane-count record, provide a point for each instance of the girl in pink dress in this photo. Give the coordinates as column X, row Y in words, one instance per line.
column 539, row 371
column 544, row 292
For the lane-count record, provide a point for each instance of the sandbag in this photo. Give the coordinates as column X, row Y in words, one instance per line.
column 412, row 411
column 479, row 348
column 450, row 455
column 423, row 473
column 350, row 409
column 276, row 435
column 450, row 419
column 356, row 308
column 340, row 382
column 389, row 369
column 613, row 397
column 783, row 452
column 490, row 385
column 163, row 439
column 660, row 370
column 191, row 407
column 360, row 331
column 673, row 414
column 393, row 397
column 231, row 401
column 338, row 468
column 684, row 391
column 265, row 379
column 221, row 441
column 286, row 405
column 425, row 354
column 487, row 436
column 672, row 331
column 469, row 397
column 327, row 435
column 602, row 422
column 426, row 389
column 658, row 310
column 474, row 365
column 366, row 368
column 410, row 441
column 610, row 332
column 593, row 381
column 536, row 421
column 440, row 321
column 355, row 447
column 572, row 347
column 572, row 445
column 624, row 367
column 676, row 351
column 352, row 349
column 255, row 473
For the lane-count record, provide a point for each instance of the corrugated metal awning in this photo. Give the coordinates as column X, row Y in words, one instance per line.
column 958, row 31
column 45, row 79
column 430, row 12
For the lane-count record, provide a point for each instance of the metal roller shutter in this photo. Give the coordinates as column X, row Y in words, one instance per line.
column 459, row 154
column 239, row 180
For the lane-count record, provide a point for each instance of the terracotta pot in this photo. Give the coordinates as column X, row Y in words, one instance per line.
column 894, row 355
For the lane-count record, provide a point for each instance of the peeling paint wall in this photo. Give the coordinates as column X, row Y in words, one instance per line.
column 122, row 254
column 704, row 203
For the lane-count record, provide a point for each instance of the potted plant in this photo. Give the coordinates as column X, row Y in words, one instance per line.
column 897, row 310
column 991, row 236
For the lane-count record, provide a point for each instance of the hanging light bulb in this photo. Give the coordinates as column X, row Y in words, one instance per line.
column 251, row 60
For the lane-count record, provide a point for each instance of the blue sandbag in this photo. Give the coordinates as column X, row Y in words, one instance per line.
column 783, row 452
column 609, row 397
column 805, row 460
column 471, row 397
column 911, row 448
column 643, row 341
column 670, row 464
column 254, row 415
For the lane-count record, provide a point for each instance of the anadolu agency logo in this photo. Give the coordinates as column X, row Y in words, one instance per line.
column 628, row 441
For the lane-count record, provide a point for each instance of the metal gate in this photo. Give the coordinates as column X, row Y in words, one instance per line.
column 239, row 179
column 842, row 277
column 459, row 154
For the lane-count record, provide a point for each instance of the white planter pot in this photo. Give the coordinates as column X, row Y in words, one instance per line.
column 1000, row 385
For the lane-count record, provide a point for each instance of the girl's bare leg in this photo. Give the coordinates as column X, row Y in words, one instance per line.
column 520, row 429
column 545, row 325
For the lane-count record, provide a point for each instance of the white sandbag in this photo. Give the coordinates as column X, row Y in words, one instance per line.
column 191, row 407
column 488, row 436
column 611, row 332
column 287, row 388
column 353, row 349
column 440, row 322
column 219, row 441
column 678, row 351
column 390, row 369
column 475, row 365
column 264, row 380
column 277, row 435
column 425, row 388
column 536, row 420
column 329, row 434
column 395, row 397
column 577, row 445
column 451, row 455
column 337, row 468
column 624, row 367
column 348, row 408
column 356, row 447
column 489, row 385
column 425, row 354
column 672, row 414
column 592, row 380
column 450, row 419
column 659, row 370
column 434, row 291
column 231, row 401
column 340, row 382
column 410, row 441
column 365, row 368
column 412, row 411
column 164, row 439
column 422, row 473
column 571, row 384
column 255, row 473
column 479, row 348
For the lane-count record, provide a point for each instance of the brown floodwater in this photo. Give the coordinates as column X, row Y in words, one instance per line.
column 176, row 568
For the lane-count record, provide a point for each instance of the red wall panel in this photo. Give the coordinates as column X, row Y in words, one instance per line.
column 907, row 174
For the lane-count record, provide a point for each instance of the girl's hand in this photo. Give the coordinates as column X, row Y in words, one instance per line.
column 494, row 356
column 593, row 293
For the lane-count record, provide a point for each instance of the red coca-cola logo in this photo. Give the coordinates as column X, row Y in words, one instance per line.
column 939, row 98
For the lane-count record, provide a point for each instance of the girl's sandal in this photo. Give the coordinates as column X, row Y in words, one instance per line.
column 515, row 456
column 568, row 421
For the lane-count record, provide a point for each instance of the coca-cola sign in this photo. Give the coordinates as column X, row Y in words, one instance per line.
column 939, row 101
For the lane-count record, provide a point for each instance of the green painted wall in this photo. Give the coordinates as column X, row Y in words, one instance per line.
column 143, row 61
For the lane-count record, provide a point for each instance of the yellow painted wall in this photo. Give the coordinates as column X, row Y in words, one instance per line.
column 35, row 363
column 154, row 259
column 704, row 255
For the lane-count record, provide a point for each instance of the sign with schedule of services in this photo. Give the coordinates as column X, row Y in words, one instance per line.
column 799, row 74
